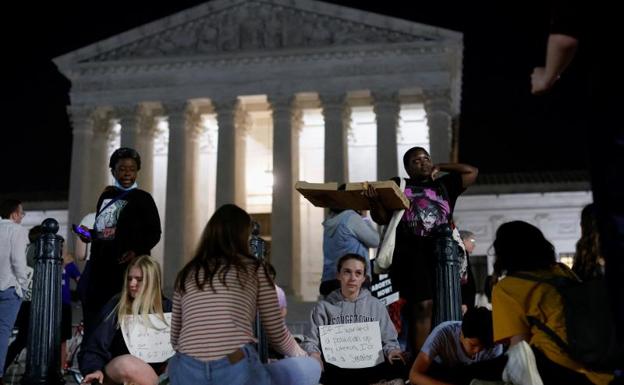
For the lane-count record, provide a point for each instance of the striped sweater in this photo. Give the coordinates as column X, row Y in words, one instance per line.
column 208, row 325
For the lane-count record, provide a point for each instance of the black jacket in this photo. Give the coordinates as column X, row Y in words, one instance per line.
column 97, row 350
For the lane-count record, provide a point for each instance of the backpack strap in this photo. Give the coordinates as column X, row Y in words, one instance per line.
column 115, row 199
column 557, row 282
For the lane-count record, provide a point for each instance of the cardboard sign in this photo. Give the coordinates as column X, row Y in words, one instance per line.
column 381, row 287
column 151, row 344
column 352, row 346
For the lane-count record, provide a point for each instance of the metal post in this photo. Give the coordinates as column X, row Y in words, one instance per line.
column 258, row 249
column 447, row 303
column 43, row 357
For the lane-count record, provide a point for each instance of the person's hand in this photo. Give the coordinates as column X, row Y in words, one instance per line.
column 539, row 82
column 95, row 376
column 127, row 257
column 82, row 237
column 317, row 356
column 434, row 172
column 370, row 192
column 396, row 355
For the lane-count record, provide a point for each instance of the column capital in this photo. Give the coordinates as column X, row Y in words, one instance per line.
column 297, row 119
column 333, row 99
column 385, row 96
column 437, row 101
column 126, row 111
column 103, row 121
column 386, row 103
column 81, row 118
column 175, row 107
column 194, row 125
column 281, row 103
column 224, row 105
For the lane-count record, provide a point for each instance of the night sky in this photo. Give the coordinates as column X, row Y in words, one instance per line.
column 502, row 127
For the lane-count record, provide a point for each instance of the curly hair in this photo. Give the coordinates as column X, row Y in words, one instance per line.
column 587, row 257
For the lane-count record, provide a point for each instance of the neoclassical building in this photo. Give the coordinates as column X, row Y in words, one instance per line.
column 236, row 100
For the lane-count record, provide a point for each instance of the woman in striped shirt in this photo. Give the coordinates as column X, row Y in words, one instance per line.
column 215, row 301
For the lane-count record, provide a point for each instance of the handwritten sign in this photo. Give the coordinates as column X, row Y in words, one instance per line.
column 352, row 346
column 147, row 342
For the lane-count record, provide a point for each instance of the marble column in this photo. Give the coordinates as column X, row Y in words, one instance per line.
column 179, row 204
column 145, row 136
column 230, row 157
column 129, row 120
column 100, row 172
column 439, row 120
column 336, row 146
column 387, row 108
column 285, row 208
column 79, row 186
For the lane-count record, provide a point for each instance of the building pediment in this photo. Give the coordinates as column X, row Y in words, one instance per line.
column 232, row 26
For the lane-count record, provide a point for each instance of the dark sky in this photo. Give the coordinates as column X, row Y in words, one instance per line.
column 502, row 127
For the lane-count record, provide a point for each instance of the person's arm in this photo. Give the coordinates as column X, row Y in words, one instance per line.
column 467, row 172
column 418, row 372
column 95, row 350
column 379, row 213
column 389, row 342
column 363, row 231
column 311, row 340
column 176, row 319
column 559, row 54
column 145, row 229
column 272, row 320
column 19, row 242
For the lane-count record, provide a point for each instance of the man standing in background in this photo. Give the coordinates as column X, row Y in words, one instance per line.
column 13, row 279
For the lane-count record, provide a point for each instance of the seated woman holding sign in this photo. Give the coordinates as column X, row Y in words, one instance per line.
column 109, row 355
column 367, row 350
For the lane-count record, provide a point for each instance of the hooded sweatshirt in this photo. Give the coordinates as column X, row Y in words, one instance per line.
column 336, row 309
column 346, row 233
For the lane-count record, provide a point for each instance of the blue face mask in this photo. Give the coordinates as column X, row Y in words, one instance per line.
column 119, row 186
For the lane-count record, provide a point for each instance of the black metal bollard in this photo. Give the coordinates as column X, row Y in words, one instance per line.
column 43, row 357
column 447, row 301
column 258, row 249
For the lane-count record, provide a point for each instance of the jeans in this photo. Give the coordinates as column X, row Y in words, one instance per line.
column 184, row 370
column 9, row 306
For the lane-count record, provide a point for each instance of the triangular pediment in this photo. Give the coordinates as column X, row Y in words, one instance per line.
column 231, row 26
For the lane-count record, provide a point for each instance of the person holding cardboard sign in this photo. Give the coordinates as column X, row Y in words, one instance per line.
column 342, row 354
column 105, row 355
column 432, row 200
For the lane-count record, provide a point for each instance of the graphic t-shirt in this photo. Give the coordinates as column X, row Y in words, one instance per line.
column 431, row 204
column 106, row 220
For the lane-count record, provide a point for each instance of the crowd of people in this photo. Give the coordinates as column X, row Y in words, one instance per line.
column 220, row 291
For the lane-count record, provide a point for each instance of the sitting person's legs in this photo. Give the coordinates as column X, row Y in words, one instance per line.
column 129, row 369
column 334, row 375
column 294, row 370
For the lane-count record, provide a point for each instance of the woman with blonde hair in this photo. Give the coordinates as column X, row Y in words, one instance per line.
column 215, row 301
column 104, row 356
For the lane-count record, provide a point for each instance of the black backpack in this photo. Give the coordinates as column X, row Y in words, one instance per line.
column 590, row 327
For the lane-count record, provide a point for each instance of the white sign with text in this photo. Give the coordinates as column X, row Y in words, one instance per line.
column 151, row 343
column 352, row 346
